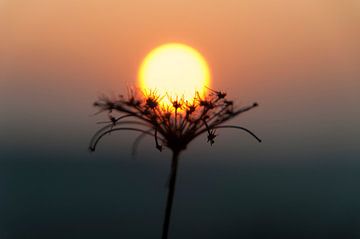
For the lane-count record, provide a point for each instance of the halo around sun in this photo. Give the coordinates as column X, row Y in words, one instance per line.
column 176, row 70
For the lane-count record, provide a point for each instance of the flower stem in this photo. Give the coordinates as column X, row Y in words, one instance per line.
column 170, row 196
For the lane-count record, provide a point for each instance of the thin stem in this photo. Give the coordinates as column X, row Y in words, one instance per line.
column 170, row 196
column 175, row 119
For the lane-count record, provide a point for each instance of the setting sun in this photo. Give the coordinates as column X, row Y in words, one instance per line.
column 174, row 69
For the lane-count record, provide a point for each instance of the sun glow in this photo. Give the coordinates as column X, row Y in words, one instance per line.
column 174, row 70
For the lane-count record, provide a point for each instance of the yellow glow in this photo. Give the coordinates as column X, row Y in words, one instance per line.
column 176, row 70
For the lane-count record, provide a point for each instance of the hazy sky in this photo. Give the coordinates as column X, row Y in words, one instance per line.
column 298, row 59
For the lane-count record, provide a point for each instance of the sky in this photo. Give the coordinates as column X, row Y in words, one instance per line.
column 298, row 59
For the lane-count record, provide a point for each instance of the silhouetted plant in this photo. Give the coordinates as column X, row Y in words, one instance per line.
column 172, row 125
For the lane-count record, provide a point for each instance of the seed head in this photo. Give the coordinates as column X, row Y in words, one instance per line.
column 173, row 126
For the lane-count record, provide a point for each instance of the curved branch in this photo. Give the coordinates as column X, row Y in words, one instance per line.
column 137, row 141
column 227, row 126
column 206, row 126
column 94, row 141
column 217, row 122
column 133, row 122
column 238, row 127
column 110, row 126
column 158, row 146
column 122, row 108
column 115, row 120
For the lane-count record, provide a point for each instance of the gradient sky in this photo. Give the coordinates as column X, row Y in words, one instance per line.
column 298, row 59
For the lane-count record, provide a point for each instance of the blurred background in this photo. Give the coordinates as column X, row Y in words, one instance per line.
column 298, row 59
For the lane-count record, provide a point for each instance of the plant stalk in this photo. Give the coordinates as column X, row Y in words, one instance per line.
column 170, row 196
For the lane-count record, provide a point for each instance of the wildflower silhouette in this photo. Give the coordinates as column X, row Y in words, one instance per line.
column 173, row 125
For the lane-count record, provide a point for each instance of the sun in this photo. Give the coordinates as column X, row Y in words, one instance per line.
column 174, row 70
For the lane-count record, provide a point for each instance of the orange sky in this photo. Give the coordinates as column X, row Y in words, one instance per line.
column 233, row 35
column 299, row 59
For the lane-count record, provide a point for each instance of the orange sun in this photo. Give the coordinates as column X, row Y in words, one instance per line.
column 176, row 70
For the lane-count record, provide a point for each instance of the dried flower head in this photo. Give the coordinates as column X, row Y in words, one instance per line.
column 174, row 125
